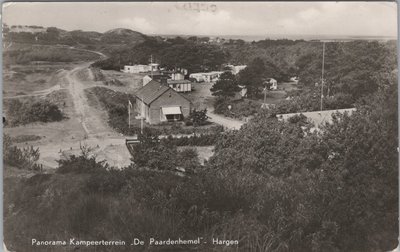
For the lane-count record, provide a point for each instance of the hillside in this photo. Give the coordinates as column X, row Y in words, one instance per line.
column 106, row 42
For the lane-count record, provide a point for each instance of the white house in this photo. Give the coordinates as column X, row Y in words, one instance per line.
column 295, row 79
column 207, row 77
column 273, row 82
column 140, row 68
column 177, row 76
column 197, row 76
column 212, row 76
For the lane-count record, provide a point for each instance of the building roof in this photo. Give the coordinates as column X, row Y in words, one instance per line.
column 178, row 81
column 151, row 91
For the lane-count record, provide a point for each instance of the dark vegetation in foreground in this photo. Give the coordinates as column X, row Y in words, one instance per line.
column 269, row 185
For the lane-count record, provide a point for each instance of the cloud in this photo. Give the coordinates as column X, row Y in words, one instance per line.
column 342, row 19
column 210, row 23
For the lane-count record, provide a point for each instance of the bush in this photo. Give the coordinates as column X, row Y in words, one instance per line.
column 239, row 108
column 196, row 140
column 25, row 158
column 85, row 163
column 33, row 111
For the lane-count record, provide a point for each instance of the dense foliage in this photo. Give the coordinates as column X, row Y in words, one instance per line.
column 32, row 111
column 226, row 86
column 274, row 186
column 352, row 68
column 171, row 54
column 254, row 76
column 197, row 117
column 239, row 108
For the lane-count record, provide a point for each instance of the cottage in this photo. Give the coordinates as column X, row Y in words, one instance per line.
column 198, row 77
column 295, row 79
column 207, row 77
column 136, row 69
column 180, row 85
column 212, row 76
column 177, row 76
column 157, row 103
column 140, row 68
column 273, row 82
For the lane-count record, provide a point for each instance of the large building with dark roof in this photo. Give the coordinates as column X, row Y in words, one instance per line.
column 157, row 103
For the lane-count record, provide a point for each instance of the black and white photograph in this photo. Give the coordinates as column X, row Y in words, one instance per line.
column 200, row 126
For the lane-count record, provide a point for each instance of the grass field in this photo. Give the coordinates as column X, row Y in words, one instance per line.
column 25, row 79
column 19, row 53
column 132, row 81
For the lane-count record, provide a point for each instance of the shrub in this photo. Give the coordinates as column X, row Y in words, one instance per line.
column 33, row 111
column 85, row 163
column 25, row 158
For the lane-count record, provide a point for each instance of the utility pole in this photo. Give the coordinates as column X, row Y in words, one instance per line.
column 141, row 116
column 151, row 64
column 322, row 75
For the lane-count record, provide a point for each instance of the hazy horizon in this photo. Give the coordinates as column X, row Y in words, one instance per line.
column 366, row 19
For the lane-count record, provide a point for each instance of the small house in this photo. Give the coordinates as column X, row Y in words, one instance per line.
column 212, row 76
column 180, row 85
column 140, row 68
column 295, row 79
column 156, row 102
column 198, row 77
column 177, row 76
column 273, row 83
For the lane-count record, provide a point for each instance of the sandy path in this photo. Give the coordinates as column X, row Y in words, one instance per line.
column 95, row 132
column 228, row 123
column 90, row 117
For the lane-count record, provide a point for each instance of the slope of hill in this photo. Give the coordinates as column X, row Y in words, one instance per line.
column 106, row 42
column 120, row 35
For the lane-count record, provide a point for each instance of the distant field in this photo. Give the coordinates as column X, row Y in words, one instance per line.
column 25, row 79
column 26, row 53
column 132, row 81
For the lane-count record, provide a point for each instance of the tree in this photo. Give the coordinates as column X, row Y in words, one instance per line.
column 226, row 86
column 198, row 117
column 154, row 154
column 255, row 74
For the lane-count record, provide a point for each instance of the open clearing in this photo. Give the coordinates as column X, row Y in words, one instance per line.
column 85, row 124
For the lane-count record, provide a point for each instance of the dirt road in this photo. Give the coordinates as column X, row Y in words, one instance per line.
column 90, row 117
column 228, row 123
column 86, row 125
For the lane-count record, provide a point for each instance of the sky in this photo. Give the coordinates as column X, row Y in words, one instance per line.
column 212, row 18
